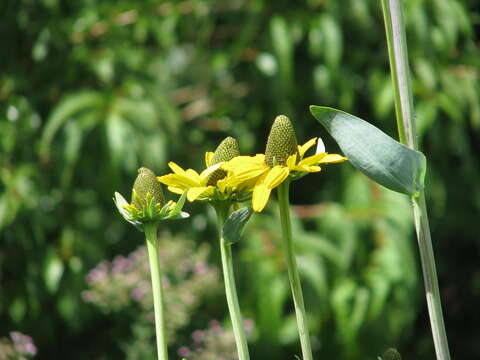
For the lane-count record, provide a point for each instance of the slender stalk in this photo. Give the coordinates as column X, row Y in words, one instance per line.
column 157, row 287
column 230, row 288
column 397, row 51
column 293, row 276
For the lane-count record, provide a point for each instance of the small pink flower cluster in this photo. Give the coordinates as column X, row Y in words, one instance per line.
column 17, row 347
column 216, row 342
column 125, row 282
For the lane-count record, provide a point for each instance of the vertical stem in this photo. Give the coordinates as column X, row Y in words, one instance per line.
column 295, row 285
column 397, row 51
column 157, row 288
column 400, row 71
column 230, row 287
column 430, row 278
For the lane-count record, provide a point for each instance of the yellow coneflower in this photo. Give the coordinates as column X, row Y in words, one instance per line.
column 283, row 158
column 209, row 184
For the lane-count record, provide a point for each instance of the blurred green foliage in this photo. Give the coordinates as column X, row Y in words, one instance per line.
column 90, row 90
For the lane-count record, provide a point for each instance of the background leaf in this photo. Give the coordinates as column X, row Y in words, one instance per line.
column 184, row 75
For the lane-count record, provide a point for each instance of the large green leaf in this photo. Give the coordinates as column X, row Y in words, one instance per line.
column 373, row 152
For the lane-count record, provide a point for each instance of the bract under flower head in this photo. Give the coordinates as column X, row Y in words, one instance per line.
column 268, row 175
column 148, row 202
column 209, row 185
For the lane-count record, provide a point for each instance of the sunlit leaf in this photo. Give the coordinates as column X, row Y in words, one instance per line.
column 373, row 152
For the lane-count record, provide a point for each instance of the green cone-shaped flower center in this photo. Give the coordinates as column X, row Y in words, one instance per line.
column 146, row 182
column 281, row 143
column 227, row 150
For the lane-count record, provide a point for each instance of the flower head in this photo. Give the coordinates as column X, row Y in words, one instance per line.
column 213, row 183
column 144, row 184
column 148, row 202
column 225, row 151
column 281, row 143
column 283, row 159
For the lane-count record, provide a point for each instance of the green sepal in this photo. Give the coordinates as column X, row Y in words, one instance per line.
column 373, row 152
column 177, row 212
column 151, row 211
column 151, row 206
column 233, row 227
column 120, row 203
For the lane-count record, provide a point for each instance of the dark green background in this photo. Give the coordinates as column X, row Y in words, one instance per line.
column 90, row 90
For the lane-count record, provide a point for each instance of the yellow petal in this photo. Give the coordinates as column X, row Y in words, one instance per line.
column 176, row 169
column 252, row 174
column 291, row 161
column 275, row 176
column 248, row 185
column 240, row 163
column 302, row 149
column 222, row 184
column 176, row 190
column 194, row 192
column 260, row 196
column 208, row 158
column 193, row 176
column 308, row 168
column 181, row 181
column 314, row 159
column 333, row 158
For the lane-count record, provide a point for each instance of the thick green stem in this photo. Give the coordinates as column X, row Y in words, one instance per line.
column 397, row 51
column 293, row 276
column 157, row 288
column 230, row 288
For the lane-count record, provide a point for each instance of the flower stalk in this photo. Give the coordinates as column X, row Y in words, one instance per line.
column 145, row 212
column 157, row 288
column 293, row 276
column 222, row 210
column 398, row 55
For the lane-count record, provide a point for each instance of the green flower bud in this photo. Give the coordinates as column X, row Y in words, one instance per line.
column 391, row 354
column 281, row 143
column 227, row 150
column 146, row 182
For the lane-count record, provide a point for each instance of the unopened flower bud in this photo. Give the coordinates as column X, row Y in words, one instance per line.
column 146, row 182
column 281, row 143
column 391, row 354
column 227, row 150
